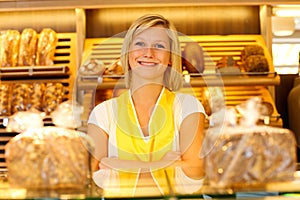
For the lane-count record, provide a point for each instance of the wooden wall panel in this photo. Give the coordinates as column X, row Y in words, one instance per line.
column 62, row 21
column 197, row 20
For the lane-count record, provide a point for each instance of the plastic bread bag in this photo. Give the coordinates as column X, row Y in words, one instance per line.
column 247, row 153
column 49, row 157
column 67, row 114
column 25, row 120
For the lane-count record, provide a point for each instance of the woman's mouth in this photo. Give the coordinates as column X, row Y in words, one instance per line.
column 147, row 63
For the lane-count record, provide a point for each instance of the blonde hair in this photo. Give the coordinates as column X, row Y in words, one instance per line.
column 173, row 74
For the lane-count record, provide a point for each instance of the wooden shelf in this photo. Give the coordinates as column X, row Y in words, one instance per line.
column 215, row 46
column 72, row 4
column 33, row 72
column 245, row 85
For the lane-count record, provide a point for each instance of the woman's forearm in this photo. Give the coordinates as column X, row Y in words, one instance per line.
column 134, row 165
column 191, row 168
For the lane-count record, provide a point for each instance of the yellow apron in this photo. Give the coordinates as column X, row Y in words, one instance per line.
column 132, row 145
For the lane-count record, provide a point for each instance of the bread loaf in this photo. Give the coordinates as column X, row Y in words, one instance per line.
column 48, row 157
column 115, row 68
column 239, row 156
column 36, row 96
column 251, row 50
column 256, row 63
column 5, row 90
column 19, row 97
column 10, row 48
column 46, row 47
column 28, row 46
column 53, row 96
column 227, row 64
column 193, row 58
column 254, row 59
column 92, row 67
column 227, row 61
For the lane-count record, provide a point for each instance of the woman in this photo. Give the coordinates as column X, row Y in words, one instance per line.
column 150, row 132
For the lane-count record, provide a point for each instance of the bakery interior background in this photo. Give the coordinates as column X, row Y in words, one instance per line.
column 286, row 38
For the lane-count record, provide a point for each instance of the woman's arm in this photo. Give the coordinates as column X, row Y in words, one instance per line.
column 100, row 139
column 191, row 139
column 169, row 160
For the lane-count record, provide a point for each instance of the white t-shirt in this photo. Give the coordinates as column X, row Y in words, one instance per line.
column 184, row 105
column 103, row 116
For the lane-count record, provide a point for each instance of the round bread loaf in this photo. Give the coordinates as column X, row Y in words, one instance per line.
column 256, row 63
column 192, row 58
column 251, row 50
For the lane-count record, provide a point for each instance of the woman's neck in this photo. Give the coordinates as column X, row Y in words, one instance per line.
column 147, row 94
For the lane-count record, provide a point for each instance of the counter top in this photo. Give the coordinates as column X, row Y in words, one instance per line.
column 279, row 190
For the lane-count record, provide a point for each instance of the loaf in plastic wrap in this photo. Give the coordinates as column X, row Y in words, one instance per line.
column 244, row 153
column 251, row 156
column 49, row 157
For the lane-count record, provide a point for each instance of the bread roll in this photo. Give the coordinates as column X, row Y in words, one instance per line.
column 92, row 67
column 227, row 61
column 115, row 68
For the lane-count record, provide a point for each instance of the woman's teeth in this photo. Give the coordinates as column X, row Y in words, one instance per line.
column 147, row 63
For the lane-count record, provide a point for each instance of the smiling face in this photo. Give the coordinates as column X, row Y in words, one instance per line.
column 149, row 54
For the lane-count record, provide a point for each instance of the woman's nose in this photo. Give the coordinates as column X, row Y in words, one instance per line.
column 148, row 52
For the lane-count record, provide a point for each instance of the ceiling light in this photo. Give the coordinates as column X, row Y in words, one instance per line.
column 286, row 10
column 283, row 26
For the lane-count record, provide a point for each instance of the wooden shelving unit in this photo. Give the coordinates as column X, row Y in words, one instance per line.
column 238, row 87
column 63, row 71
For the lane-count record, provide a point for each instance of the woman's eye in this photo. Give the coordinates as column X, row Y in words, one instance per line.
column 159, row 46
column 140, row 44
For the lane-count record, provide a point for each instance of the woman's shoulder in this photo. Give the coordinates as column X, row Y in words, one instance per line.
column 189, row 102
column 185, row 97
column 105, row 102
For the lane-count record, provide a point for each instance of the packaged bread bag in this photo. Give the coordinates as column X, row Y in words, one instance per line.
column 49, row 157
column 239, row 152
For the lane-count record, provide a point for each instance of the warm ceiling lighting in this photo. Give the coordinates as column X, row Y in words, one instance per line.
column 283, row 26
column 286, row 10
